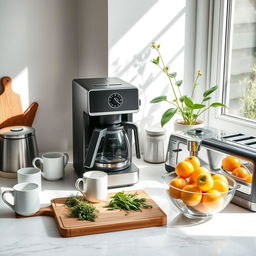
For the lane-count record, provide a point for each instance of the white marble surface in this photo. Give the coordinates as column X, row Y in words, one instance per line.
column 231, row 232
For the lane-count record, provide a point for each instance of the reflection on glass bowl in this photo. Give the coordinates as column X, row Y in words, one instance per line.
column 199, row 205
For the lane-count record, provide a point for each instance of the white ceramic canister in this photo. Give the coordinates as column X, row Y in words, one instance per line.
column 154, row 149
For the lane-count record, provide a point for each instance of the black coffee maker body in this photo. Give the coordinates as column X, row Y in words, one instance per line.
column 103, row 127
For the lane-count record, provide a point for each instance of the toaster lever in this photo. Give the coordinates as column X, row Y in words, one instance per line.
column 193, row 147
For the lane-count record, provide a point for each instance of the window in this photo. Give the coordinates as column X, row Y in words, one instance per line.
column 240, row 61
column 232, row 63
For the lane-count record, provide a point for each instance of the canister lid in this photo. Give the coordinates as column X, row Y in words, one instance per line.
column 16, row 132
column 155, row 131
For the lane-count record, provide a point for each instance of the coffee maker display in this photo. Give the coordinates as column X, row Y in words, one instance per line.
column 102, row 128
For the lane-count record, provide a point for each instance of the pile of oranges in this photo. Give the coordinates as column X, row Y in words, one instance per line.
column 197, row 187
column 233, row 165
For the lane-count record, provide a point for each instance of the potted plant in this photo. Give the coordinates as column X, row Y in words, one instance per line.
column 184, row 105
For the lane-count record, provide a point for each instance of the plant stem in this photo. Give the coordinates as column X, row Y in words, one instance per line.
column 200, row 113
column 194, row 86
column 175, row 95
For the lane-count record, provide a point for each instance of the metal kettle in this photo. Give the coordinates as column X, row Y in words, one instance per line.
column 18, row 148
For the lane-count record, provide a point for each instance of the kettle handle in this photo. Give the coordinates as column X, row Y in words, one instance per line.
column 93, row 147
column 133, row 126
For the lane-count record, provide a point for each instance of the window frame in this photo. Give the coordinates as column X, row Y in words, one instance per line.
column 219, row 54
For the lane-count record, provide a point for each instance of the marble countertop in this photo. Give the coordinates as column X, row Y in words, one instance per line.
column 231, row 232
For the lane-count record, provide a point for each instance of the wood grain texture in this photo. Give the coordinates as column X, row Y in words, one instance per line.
column 45, row 211
column 107, row 221
column 8, row 175
column 11, row 113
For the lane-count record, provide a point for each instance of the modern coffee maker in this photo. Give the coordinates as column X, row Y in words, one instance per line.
column 102, row 128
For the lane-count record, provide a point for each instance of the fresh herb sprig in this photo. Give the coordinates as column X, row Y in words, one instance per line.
column 127, row 202
column 80, row 208
column 84, row 211
column 74, row 200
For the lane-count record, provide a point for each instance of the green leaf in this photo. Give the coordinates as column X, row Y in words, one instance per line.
column 195, row 116
column 165, row 69
column 217, row 104
column 158, row 99
column 172, row 75
column 188, row 101
column 168, row 115
column 198, row 106
column 210, row 90
column 156, row 61
column 182, row 98
column 178, row 83
column 206, row 99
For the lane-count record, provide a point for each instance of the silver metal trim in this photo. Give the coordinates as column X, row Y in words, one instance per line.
column 244, row 203
column 112, row 165
column 113, row 113
column 123, row 179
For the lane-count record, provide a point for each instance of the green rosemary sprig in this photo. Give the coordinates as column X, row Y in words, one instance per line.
column 80, row 208
column 127, row 202
column 84, row 211
column 73, row 200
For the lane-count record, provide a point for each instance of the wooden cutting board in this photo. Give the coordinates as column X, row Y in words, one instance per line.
column 107, row 221
column 11, row 113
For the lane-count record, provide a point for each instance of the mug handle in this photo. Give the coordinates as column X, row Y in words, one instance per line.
column 66, row 158
column 77, row 185
column 34, row 163
column 6, row 201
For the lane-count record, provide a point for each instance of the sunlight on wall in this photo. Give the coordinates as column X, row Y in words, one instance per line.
column 130, row 53
column 20, row 85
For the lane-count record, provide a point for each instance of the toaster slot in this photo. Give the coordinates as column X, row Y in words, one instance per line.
column 231, row 136
column 249, row 142
column 252, row 145
column 243, row 138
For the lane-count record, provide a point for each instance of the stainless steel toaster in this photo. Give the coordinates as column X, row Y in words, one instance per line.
column 211, row 146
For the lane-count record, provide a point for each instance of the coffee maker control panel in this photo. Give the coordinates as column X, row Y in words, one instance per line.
column 113, row 101
column 106, row 96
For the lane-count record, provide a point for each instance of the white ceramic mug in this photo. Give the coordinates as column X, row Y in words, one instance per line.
column 26, row 198
column 95, row 185
column 53, row 165
column 31, row 175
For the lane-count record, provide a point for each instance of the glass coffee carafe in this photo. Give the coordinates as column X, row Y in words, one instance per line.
column 110, row 148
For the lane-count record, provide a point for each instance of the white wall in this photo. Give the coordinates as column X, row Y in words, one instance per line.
column 93, row 38
column 133, row 26
column 46, row 43
column 38, row 49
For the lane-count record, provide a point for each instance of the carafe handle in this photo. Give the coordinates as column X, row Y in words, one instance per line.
column 93, row 147
column 133, row 126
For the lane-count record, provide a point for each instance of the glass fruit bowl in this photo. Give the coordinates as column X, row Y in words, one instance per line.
column 199, row 205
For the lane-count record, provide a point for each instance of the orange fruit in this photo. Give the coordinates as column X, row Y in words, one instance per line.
column 220, row 186
column 194, row 161
column 229, row 163
column 248, row 179
column 240, row 172
column 184, row 169
column 191, row 198
column 189, row 180
column 212, row 201
column 200, row 207
column 220, row 177
column 177, row 183
column 204, row 182
column 197, row 172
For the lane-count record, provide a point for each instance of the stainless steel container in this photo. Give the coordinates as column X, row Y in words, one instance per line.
column 154, row 145
column 18, row 148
